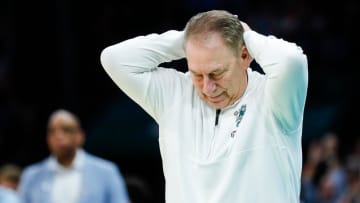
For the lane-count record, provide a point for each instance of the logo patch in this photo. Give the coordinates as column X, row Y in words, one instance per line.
column 240, row 115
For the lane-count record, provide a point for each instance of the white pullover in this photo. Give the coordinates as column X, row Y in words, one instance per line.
column 253, row 154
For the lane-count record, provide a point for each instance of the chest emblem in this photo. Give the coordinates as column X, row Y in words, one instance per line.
column 240, row 114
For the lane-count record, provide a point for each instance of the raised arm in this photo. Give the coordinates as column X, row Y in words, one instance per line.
column 286, row 70
column 133, row 66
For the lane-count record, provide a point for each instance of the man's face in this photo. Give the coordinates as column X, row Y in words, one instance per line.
column 64, row 135
column 218, row 75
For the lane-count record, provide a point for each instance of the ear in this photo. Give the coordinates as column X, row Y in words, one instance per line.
column 245, row 56
column 245, row 53
column 80, row 138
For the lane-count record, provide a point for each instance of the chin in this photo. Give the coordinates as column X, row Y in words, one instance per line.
column 218, row 105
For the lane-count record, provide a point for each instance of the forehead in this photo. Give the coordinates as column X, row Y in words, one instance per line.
column 207, row 53
column 62, row 119
column 210, row 40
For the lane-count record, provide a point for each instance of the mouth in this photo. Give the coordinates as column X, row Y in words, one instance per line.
column 215, row 99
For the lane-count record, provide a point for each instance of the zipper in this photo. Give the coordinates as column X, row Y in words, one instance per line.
column 217, row 116
column 218, row 111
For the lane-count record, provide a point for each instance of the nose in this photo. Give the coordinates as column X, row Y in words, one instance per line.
column 209, row 86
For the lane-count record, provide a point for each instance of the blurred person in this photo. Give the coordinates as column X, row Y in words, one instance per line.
column 323, row 176
column 327, row 190
column 352, row 192
column 312, row 171
column 70, row 174
column 334, row 168
column 10, row 176
column 227, row 133
column 9, row 179
column 330, row 144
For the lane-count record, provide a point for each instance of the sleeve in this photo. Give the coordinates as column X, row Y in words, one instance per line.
column 133, row 66
column 24, row 184
column 117, row 191
column 286, row 69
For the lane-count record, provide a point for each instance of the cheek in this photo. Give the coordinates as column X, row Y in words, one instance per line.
column 51, row 140
column 232, row 82
column 79, row 140
column 224, row 83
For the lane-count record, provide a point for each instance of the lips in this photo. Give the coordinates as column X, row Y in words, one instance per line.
column 214, row 99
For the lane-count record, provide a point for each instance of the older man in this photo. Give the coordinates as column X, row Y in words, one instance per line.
column 227, row 134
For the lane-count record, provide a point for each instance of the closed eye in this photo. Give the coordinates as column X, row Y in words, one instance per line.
column 217, row 75
column 196, row 75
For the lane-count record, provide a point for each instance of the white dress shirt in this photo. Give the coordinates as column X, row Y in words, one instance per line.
column 67, row 181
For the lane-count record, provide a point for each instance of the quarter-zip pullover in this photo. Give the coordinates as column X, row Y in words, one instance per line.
column 253, row 152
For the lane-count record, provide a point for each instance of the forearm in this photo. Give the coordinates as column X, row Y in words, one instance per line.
column 267, row 50
column 285, row 67
column 130, row 63
column 141, row 54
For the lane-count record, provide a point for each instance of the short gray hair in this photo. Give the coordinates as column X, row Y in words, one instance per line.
column 217, row 21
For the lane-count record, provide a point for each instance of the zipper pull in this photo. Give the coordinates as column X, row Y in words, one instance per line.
column 217, row 116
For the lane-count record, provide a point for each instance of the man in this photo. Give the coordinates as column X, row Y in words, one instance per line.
column 227, row 134
column 71, row 175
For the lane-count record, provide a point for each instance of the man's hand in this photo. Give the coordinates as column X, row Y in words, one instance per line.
column 245, row 26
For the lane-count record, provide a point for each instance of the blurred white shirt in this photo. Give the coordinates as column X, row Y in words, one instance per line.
column 67, row 181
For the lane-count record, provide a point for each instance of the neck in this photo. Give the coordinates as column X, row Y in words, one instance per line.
column 243, row 86
column 67, row 160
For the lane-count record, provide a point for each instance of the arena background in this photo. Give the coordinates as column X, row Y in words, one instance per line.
column 49, row 59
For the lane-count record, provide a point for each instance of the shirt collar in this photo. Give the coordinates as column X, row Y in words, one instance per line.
column 77, row 163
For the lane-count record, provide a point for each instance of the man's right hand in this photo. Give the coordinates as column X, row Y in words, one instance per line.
column 245, row 26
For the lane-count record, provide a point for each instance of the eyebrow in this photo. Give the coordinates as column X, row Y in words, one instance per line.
column 194, row 72
column 216, row 71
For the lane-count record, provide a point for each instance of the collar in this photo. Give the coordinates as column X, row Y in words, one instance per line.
column 77, row 163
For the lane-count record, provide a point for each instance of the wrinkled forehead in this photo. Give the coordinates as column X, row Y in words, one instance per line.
column 207, row 39
column 212, row 42
column 208, row 56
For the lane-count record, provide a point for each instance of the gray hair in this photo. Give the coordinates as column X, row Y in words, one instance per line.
column 217, row 21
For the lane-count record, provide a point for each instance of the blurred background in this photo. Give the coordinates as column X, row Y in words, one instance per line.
column 49, row 59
